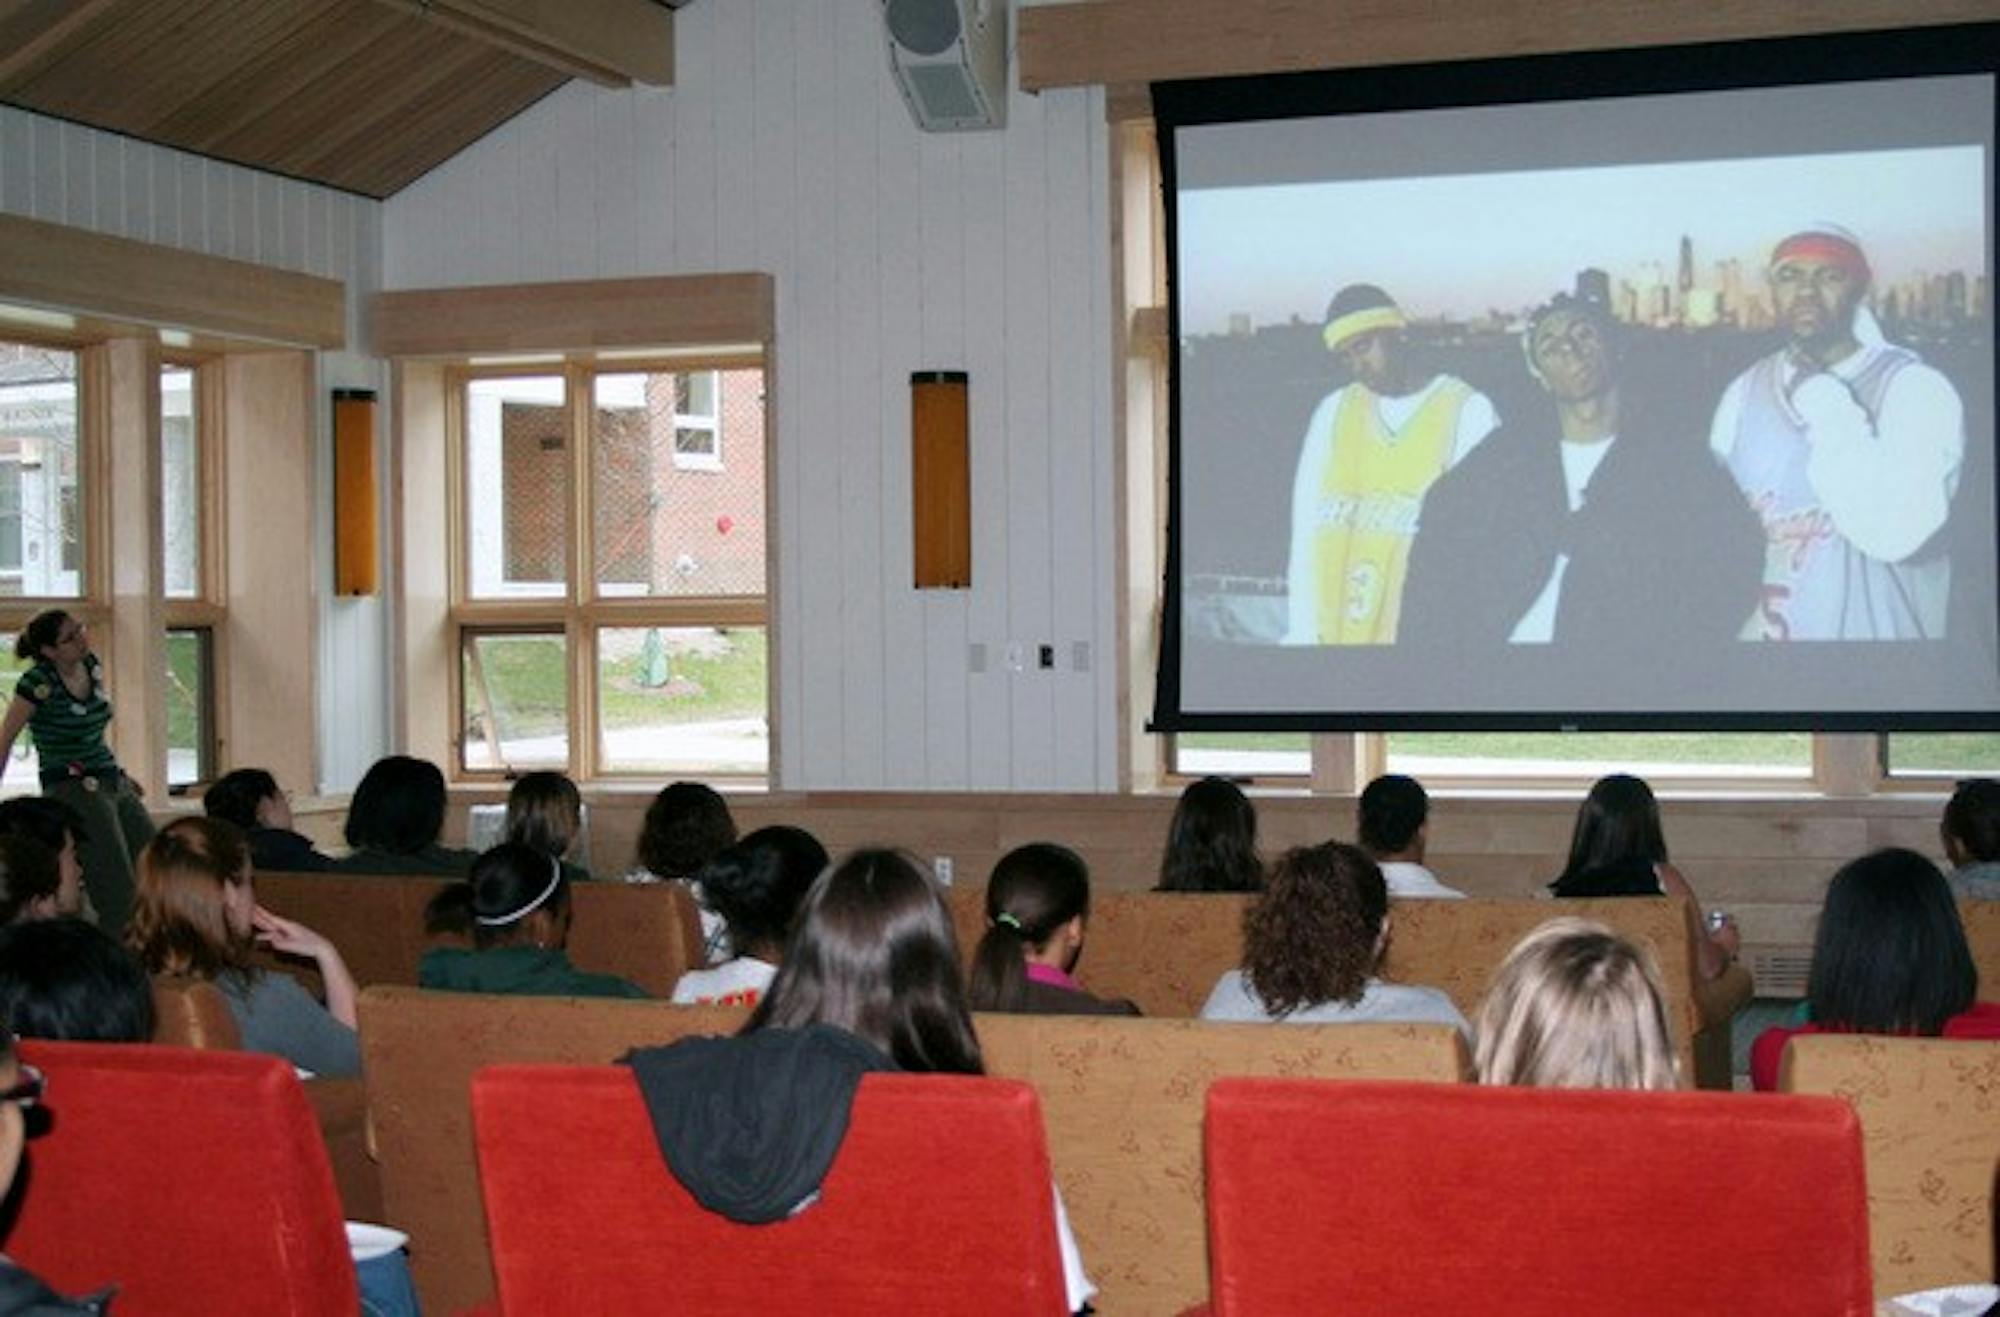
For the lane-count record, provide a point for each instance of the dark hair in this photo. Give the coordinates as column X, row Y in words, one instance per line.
column 1391, row 810
column 398, row 806
column 236, row 795
column 874, row 955
column 757, row 884
column 29, row 872
column 1617, row 827
column 686, row 825
column 1890, row 955
column 39, row 634
column 1034, row 890
column 507, row 883
column 1212, row 841
column 44, row 818
column 70, row 980
column 545, row 811
column 1972, row 818
column 1311, row 937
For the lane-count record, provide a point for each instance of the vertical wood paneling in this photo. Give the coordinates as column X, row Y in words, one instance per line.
column 806, row 392
column 904, row 345
column 989, row 712
column 859, row 235
column 784, row 146
column 1029, row 526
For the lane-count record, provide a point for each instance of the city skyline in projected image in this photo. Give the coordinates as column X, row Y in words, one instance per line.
column 1252, row 257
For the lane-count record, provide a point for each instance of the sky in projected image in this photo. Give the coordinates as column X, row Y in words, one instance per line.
column 1460, row 246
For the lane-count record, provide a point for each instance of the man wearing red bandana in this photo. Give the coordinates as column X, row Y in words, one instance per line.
column 1849, row 449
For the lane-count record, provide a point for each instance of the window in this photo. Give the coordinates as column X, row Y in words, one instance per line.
column 180, row 482
column 41, row 523
column 190, row 706
column 1943, row 754
column 639, row 646
column 697, row 419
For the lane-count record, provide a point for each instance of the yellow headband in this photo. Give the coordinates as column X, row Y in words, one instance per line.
column 1356, row 323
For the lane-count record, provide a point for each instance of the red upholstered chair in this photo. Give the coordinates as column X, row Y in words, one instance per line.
column 193, row 1180
column 939, row 1201
column 1400, row 1198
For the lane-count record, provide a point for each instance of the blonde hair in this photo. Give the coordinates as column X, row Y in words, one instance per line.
column 1576, row 1006
column 178, row 925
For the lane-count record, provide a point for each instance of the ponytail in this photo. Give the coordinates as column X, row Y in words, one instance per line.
column 449, row 913
column 1034, row 891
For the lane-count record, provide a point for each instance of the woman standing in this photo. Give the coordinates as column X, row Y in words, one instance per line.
column 61, row 698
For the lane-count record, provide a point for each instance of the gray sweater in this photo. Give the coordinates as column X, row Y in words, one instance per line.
column 274, row 1014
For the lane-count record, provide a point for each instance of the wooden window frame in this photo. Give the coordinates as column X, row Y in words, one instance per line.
column 580, row 611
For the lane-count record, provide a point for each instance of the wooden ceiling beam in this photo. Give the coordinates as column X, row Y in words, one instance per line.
column 1117, row 42
column 43, row 35
column 614, row 43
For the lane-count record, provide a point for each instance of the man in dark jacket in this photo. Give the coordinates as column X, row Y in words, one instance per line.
column 1611, row 532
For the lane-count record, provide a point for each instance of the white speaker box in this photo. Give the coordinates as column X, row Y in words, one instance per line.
column 950, row 60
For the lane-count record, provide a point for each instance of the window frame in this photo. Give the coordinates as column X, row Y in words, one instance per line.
column 583, row 608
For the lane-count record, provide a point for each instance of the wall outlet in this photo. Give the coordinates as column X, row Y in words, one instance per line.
column 941, row 869
column 1045, row 657
column 1079, row 655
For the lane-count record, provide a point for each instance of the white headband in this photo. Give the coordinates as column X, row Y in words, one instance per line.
column 555, row 880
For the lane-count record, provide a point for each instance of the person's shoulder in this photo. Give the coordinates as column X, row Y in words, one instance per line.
column 37, row 683
column 1231, row 999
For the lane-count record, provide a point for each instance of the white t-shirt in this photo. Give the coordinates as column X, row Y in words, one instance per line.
column 1580, row 462
column 1413, row 880
column 1381, row 1003
column 738, row 982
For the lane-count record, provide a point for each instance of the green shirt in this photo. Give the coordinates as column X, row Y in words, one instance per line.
column 69, row 733
column 517, row 971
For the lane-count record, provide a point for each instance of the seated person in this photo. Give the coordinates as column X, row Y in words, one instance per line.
column 1890, row 957
column 1037, row 905
column 21, row 1293
column 250, row 799
column 55, row 825
column 1212, row 841
column 1311, row 947
column 1576, row 1006
column 1619, row 849
column 756, row 886
column 870, row 982
column 545, row 811
column 517, row 906
column 1394, row 826
column 71, row 981
column 1971, row 833
column 32, row 882
column 394, row 820
column 197, row 917
column 686, row 826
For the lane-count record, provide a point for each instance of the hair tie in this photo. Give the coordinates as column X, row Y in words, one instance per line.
column 555, row 881
column 1007, row 918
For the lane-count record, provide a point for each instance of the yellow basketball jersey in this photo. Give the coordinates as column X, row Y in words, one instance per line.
column 1370, row 492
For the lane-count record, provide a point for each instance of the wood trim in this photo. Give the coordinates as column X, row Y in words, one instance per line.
column 614, row 43
column 424, row 516
column 52, row 265
column 1118, row 42
column 666, row 312
column 269, row 431
column 129, row 374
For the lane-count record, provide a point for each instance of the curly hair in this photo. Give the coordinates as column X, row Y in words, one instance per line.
column 686, row 826
column 1313, row 935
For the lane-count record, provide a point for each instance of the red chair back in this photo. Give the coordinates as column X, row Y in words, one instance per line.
column 939, row 1201
column 1399, row 1198
column 195, row 1181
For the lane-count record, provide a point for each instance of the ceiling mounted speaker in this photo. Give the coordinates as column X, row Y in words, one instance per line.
column 950, row 60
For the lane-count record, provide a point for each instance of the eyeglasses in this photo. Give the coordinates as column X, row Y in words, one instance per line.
column 26, row 1092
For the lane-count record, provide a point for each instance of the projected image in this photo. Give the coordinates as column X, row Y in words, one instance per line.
column 1677, row 407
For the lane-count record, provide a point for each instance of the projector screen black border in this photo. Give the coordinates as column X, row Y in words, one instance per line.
column 1941, row 50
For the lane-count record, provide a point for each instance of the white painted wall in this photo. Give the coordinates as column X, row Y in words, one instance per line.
column 785, row 147
column 69, row 174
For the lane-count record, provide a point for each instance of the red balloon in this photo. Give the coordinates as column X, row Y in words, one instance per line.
column 725, row 523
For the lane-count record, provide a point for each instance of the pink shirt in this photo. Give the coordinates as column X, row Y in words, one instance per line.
column 1053, row 977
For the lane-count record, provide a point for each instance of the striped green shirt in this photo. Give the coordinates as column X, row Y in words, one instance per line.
column 69, row 733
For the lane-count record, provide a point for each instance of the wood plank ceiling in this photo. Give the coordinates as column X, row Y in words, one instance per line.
column 351, row 93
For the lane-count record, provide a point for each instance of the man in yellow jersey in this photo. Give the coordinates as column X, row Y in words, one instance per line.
column 1372, row 448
